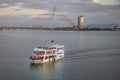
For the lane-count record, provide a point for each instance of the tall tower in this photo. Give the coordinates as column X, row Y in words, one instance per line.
column 80, row 22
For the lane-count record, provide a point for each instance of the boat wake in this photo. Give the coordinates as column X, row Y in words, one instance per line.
column 91, row 53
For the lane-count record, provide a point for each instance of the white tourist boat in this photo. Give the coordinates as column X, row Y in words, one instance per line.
column 48, row 53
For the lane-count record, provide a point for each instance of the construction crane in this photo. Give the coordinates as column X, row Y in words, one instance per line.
column 62, row 16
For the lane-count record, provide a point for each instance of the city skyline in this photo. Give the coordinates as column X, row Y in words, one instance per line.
column 38, row 12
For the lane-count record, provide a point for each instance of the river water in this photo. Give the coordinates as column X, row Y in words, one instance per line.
column 89, row 55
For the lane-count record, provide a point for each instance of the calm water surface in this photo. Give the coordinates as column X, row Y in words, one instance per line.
column 88, row 55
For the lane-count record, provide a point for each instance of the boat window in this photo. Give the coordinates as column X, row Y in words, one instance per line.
column 48, row 52
column 46, row 57
column 53, row 51
column 39, row 53
column 41, row 58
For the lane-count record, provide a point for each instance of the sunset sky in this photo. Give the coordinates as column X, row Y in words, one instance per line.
column 39, row 12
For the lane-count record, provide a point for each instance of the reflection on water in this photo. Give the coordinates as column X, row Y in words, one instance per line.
column 46, row 67
column 43, row 71
column 47, row 71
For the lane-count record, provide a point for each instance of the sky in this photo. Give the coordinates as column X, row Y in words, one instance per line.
column 39, row 12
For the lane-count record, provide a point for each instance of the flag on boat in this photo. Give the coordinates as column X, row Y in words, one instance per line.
column 52, row 41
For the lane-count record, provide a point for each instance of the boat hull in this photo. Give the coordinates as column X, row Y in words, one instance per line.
column 47, row 60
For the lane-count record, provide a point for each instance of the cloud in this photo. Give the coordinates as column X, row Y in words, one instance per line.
column 3, row 5
column 41, row 10
column 109, row 2
column 17, row 10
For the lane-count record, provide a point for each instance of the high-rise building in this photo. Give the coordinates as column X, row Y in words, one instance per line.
column 80, row 22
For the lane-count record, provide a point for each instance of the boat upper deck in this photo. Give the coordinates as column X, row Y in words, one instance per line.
column 48, row 47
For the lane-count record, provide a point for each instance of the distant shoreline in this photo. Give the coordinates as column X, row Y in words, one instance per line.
column 59, row 29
